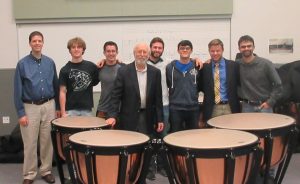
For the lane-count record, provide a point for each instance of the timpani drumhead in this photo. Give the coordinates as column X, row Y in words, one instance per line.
column 251, row 121
column 80, row 122
column 210, row 139
column 107, row 146
column 65, row 126
column 109, row 138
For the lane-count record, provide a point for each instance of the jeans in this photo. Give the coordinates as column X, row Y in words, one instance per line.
column 254, row 108
column 184, row 119
column 166, row 121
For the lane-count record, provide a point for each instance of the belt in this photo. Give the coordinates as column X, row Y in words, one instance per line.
column 250, row 102
column 222, row 103
column 38, row 102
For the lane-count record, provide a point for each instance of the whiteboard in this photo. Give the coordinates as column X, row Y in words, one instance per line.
column 126, row 34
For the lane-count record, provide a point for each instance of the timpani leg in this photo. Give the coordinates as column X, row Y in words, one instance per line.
column 167, row 165
column 56, row 156
column 229, row 171
column 122, row 168
column 257, row 156
column 268, row 156
column 71, row 167
column 284, row 164
column 190, row 168
column 89, row 170
column 147, row 157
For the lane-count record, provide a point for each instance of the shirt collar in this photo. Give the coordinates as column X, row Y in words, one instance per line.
column 37, row 60
column 221, row 63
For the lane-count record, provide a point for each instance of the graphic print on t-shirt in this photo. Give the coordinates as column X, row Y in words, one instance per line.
column 81, row 79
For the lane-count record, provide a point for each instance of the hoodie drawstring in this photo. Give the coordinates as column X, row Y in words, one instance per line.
column 172, row 77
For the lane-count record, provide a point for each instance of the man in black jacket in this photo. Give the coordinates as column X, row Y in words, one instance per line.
column 137, row 89
column 223, row 86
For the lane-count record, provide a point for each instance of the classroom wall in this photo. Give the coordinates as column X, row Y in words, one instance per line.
column 8, row 36
column 266, row 20
column 126, row 34
column 263, row 20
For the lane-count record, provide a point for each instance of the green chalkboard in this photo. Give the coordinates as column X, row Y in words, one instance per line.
column 89, row 9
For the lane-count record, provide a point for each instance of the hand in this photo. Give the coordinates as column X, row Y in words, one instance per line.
column 208, row 61
column 23, row 121
column 160, row 127
column 293, row 108
column 111, row 122
column 264, row 105
column 100, row 63
column 63, row 114
column 198, row 62
column 57, row 114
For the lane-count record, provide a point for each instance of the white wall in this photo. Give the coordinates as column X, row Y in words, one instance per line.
column 126, row 34
column 8, row 36
column 264, row 20
column 261, row 19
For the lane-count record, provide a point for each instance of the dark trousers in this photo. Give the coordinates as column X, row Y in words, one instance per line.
column 184, row 119
column 142, row 123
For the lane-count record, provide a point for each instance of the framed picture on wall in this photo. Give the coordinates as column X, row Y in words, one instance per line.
column 284, row 45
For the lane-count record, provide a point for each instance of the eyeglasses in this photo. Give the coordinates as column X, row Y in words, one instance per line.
column 185, row 48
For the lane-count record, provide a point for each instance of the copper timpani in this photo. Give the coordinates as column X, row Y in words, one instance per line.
column 62, row 128
column 212, row 156
column 276, row 133
column 108, row 157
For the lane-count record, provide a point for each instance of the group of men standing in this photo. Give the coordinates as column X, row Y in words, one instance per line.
column 149, row 95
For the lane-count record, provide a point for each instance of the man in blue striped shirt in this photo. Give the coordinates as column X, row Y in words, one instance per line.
column 35, row 88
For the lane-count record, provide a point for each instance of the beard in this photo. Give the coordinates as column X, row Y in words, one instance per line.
column 156, row 54
column 247, row 53
column 141, row 61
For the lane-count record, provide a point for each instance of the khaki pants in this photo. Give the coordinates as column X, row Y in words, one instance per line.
column 38, row 129
column 220, row 110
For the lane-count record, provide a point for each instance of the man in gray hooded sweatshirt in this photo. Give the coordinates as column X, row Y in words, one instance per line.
column 183, row 81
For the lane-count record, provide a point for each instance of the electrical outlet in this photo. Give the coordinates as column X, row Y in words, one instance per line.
column 5, row 119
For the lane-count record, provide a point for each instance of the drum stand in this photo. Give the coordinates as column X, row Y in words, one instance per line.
column 147, row 158
column 230, row 165
column 159, row 150
column 71, row 166
column 292, row 142
column 284, row 164
column 58, row 160
column 148, row 151
column 167, row 165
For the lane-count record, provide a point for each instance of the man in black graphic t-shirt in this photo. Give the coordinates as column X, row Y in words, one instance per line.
column 76, row 80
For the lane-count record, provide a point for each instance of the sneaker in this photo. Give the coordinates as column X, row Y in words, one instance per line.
column 151, row 176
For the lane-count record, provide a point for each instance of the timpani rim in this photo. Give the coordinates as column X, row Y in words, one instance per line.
column 76, row 122
column 109, row 138
column 251, row 121
column 210, row 139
